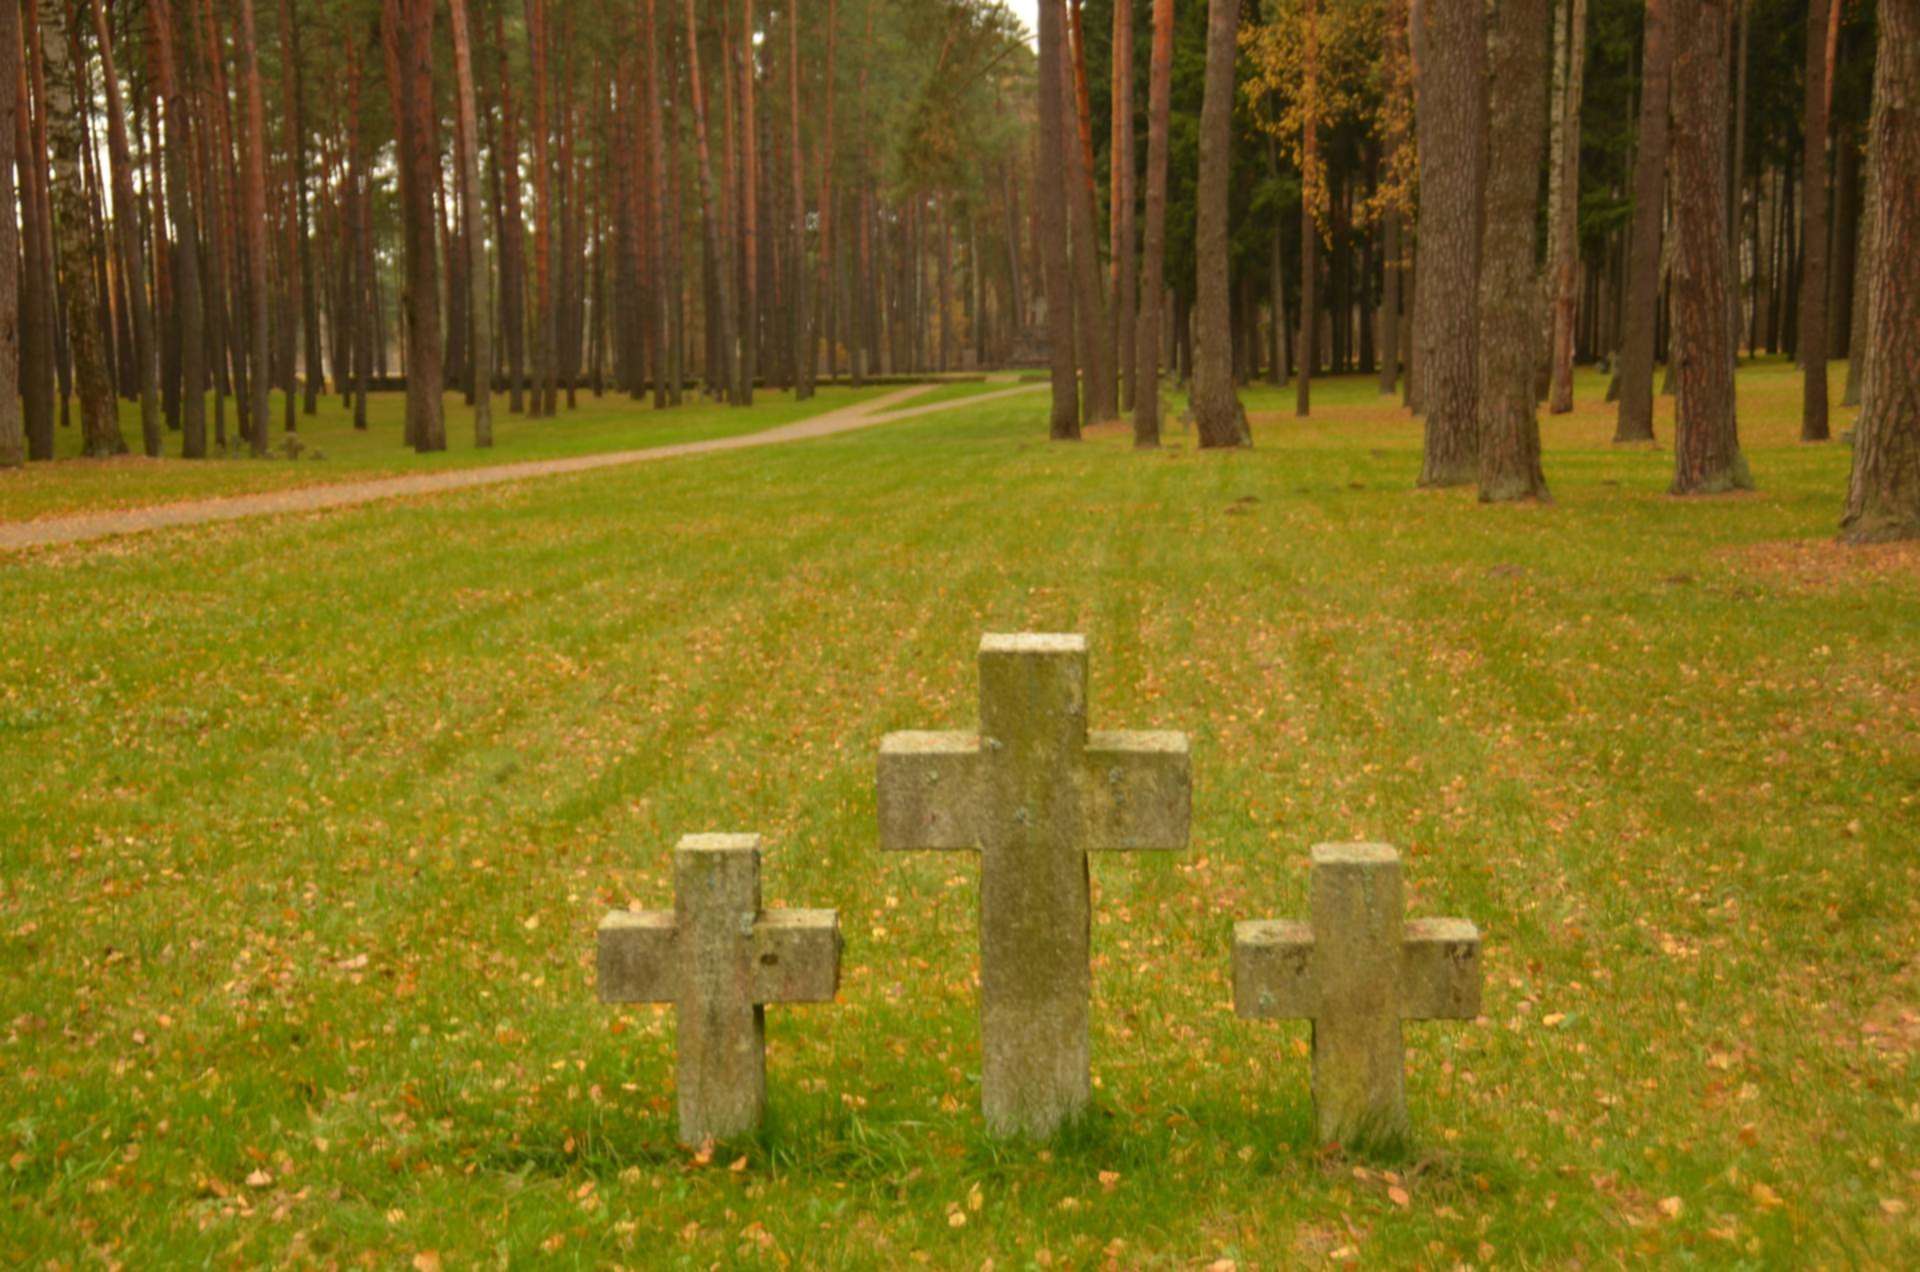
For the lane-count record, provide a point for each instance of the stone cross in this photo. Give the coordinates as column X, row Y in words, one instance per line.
column 718, row 957
column 1033, row 792
column 1357, row 971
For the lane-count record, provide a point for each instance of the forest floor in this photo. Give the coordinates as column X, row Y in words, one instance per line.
column 307, row 830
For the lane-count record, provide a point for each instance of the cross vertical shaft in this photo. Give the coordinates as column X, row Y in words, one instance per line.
column 1358, row 1053
column 1035, row 896
column 722, row 1060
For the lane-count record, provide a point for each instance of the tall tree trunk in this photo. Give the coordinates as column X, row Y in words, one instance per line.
column 13, row 437
column 1398, row 80
column 1883, row 495
column 1153, row 250
column 310, row 306
column 1093, row 324
column 301, row 324
column 1064, row 422
column 1312, row 185
column 1120, row 207
column 1388, row 316
column 512, row 233
column 1565, row 244
column 801, row 301
column 1451, row 117
column 1813, row 229
column 411, row 33
column 545, row 355
column 1218, row 416
column 1634, row 422
column 186, row 251
column 664, row 288
column 1707, row 458
column 73, row 234
column 1509, row 318
column 133, row 256
column 254, row 210
column 37, row 345
column 710, row 213
column 481, row 308
column 749, row 330
column 825, row 289
column 1865, row 270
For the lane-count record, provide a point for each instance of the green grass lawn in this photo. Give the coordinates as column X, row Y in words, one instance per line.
column 608, row 423
column 309, row 823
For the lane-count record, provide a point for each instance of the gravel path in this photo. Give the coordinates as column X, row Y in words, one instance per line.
column 100, row 525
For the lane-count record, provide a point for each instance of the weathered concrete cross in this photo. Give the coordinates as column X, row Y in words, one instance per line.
column 1357, row 971
column 1033, row 792
column 718, row 957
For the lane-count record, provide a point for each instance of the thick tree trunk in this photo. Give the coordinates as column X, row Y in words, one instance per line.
column 133, row 255
column 1219, row 419
column 186, row 251
column 1147, row 336
column 1452, row 109
column 1509, row 318
column 13, row 437
column 1634, row 421
column 1564, row 247
column 480, row 310
column 1813, row 230
column 1707, row 458
column 1064, row 421
column 1883, row 496
column 73, row 230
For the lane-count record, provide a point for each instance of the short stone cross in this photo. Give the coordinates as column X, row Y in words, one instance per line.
column 1033, row 792
column 719, row 957
column 1357, row 970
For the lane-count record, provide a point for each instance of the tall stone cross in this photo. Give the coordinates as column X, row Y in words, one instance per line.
column 1357, row 970
column 718, row 957
column 1033, row 792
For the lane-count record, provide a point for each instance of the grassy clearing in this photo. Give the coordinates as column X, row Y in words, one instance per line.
column 609, row 423
column 309, row 823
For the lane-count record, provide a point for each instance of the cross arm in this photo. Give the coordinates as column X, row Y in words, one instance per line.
column 636, row 963
column 1440, row 970
column 929, row 791
column 1273, row 973
column 796, row 956
column 1139, row 790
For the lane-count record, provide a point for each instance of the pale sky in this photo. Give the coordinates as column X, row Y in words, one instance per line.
column 1028, row 12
